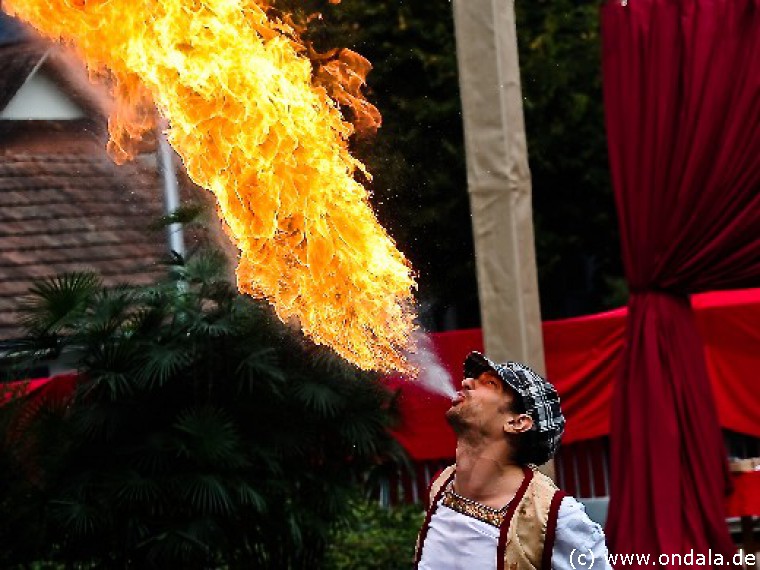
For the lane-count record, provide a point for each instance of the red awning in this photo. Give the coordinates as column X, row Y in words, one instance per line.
column 582, row 360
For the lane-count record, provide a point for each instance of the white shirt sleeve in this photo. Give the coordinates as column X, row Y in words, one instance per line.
column 579, row 542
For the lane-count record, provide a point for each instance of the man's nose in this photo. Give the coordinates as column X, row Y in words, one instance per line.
column 467, row 383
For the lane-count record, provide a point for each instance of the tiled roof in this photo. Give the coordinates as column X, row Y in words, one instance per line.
column 69, row 211
column 11, row 30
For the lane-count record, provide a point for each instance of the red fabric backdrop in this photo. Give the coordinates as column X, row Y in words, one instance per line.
column 583, row 356
column 682, row 106
column 745, row 500
column 729, row 323
column 58, row 388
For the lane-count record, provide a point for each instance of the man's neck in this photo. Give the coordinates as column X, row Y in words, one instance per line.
column 484, row 475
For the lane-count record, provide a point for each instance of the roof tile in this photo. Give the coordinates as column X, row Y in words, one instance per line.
column 74, row 212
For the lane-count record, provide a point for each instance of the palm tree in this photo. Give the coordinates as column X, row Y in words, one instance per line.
column 202, row 432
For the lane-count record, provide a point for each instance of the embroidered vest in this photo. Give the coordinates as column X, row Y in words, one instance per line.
column 526, row 536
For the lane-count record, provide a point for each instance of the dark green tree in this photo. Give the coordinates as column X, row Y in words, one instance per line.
column 577, row 244
column 202, row 432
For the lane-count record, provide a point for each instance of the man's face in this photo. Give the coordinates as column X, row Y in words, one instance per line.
column 482, row 406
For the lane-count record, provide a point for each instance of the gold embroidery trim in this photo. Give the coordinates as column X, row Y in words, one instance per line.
column 470, row 508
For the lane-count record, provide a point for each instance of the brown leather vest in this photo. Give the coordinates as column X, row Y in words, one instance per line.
column 526, row 536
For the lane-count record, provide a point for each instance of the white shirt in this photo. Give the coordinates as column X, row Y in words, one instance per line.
column 456, row 541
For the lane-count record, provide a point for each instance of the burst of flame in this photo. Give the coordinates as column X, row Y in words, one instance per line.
column 256, row 125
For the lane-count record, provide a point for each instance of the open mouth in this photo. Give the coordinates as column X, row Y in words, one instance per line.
column 458, row 398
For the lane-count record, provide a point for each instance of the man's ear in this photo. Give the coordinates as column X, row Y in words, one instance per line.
column 518, row 423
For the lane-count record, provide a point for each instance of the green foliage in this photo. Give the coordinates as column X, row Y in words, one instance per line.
column 375, row 538
column 57, row 301
column 202, row 434
column 578, row 252
column 186, row 214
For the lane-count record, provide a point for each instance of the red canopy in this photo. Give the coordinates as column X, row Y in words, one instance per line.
column 583, row 359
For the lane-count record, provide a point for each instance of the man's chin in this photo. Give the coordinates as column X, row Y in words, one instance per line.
column 454, row 418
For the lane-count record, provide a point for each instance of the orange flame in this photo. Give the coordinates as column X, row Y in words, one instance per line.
column 255, row 124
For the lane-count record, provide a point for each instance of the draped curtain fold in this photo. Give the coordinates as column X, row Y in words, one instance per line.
column 682, row 103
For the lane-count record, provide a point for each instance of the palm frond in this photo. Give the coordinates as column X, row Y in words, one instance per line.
column 175, row 545
column 96, row 422
column 319, row 398
column 205, row 493
column 135, row 489
column 183, row 215
column 56, row 302
column 211, row 325
column 162, row 361
column 113, row 365
column 296, row 534
column 76, row 516
column 361, row 435
column 210, row 438
column 145, row 321
column 261, row 364
column 329, row 364
column 110, row 310
column 159, row 295
column 205, row 268
column 136, row 529
column 248, row 496
column 155, row 455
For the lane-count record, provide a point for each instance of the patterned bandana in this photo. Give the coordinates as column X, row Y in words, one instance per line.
column 539, row 396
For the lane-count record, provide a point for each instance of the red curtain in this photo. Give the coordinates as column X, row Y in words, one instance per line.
column 682, row 103
column 584, row 355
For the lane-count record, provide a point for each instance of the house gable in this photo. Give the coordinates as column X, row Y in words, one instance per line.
column 40, row 98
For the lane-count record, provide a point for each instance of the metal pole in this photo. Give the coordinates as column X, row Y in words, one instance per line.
column 164, row 154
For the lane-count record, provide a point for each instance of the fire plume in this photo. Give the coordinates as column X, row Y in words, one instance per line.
column 260, row 126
